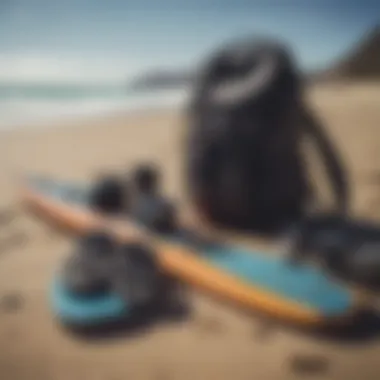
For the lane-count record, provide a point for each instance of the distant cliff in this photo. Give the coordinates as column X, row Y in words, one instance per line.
column 162, row 80
column 362, row 62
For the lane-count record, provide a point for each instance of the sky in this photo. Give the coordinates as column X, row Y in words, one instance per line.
column 112, row 40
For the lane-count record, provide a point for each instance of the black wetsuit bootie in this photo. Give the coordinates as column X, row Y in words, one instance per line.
column 86, row 271
column 104, row 282
column 109, row 195
column 150, row 208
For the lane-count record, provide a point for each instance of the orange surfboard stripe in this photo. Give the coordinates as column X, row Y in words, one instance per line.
column 183, row 263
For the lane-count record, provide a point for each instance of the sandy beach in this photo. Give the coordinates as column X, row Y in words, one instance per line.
column 215, row 341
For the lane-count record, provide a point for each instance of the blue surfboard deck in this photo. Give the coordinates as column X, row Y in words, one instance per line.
column 299, row 283
column 85, row 311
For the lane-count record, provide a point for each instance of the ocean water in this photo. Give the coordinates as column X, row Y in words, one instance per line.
column 34, row 105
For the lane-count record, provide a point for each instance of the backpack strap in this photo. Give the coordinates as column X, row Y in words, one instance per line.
column 331, row 160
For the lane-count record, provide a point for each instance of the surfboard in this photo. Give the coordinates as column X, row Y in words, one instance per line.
column 298, row 293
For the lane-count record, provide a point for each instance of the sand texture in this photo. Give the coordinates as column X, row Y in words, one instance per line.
column 214, row 341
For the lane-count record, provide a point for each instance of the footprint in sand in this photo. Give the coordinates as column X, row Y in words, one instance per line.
column 162, row 375
column 14, row 240
column 371, row 178
column 309, row 364
column 264, row 331
column 7, row 216
column 209, row 325
column 11, row 236
column 11, row 303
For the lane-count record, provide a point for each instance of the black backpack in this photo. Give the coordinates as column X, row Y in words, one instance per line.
column 244, row 165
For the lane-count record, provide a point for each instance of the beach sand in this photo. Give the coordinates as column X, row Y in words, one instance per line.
column 215, row 341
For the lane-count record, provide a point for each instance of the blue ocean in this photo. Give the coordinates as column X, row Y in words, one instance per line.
column 39, row 104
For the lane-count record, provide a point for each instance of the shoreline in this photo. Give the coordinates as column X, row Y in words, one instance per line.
column 88, row 120
column 346, row 88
